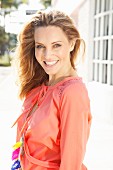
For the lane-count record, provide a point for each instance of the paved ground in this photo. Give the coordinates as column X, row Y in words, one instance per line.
column 9, row 109
column 4, row 72
column 99, row 154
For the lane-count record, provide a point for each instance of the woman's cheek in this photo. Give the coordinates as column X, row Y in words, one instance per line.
column 38, row 54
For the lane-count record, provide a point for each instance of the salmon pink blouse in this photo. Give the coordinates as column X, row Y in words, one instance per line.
column 56, row 133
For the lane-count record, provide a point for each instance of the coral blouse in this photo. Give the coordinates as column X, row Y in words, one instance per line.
column 56, row 133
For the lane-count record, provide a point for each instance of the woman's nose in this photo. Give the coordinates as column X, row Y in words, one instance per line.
column 47, row 53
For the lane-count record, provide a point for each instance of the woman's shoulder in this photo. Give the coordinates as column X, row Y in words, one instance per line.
column 72, row 85
column 69, row 87
column 72, row 90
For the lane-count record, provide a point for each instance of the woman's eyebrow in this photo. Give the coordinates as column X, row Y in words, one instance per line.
column 51, row 43
column 39, row 43
column 56, row 42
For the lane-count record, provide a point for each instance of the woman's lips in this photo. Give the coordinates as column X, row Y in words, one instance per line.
column 50, row 63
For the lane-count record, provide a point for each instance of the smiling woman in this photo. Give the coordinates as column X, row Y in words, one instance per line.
column 53, row 52
column 52, row 27
column 54, row 126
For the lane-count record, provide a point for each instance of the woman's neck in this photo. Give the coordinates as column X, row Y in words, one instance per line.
column 54, row 80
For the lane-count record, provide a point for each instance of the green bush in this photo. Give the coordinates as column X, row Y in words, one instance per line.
column 5, row 60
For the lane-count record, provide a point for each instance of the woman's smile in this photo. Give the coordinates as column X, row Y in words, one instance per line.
column 50, row 64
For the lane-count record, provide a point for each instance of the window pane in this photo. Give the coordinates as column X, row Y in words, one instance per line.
column 97, row 27
column 98, row 50
column 94, row 27
column 105, row 50
column 112, row 50
column 97, row 72
column 106, row 5
column 94, row 46
column 112, row 74
column 97, row 6
column 93, row 71
column 112, row 24
column 106, row 25
column 104, row 70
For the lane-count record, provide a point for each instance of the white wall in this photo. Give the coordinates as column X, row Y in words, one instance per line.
column 83, row 27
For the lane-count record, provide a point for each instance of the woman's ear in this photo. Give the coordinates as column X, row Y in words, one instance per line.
column 72, row 45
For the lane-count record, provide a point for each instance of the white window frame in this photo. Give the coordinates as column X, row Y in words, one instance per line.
column 102, row 34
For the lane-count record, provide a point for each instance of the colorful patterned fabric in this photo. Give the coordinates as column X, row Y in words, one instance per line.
column 15, row 156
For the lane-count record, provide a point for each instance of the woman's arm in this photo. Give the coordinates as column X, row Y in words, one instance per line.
column 75, row 126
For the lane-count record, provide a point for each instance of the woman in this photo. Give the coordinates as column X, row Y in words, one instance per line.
column 54, row 126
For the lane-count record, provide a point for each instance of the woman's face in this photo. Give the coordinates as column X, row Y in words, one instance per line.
column 52, row 50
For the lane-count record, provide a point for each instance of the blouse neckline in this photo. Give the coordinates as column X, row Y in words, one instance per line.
column 62, row 81
column 46, row 87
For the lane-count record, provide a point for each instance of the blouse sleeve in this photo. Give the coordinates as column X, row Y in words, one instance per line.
column 75, row 125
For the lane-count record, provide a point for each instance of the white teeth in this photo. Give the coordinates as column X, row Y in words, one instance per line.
column 50, row 63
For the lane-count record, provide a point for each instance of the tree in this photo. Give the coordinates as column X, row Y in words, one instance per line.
column 11, row 3
column 3, row 40
column 7, row 41
column 46, row 3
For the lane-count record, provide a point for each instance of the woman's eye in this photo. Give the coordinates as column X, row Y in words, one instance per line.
column 39, row 46
column 57, row 45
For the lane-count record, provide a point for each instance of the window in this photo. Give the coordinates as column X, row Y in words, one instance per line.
column 103, row 42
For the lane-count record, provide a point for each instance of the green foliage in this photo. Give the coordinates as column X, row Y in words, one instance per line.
column 7, row 46
column 7, row 41
column 46, row 3
column 3, row 40
column 11, row 3
column 5, row 60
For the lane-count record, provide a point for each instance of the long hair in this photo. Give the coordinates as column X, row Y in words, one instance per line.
column 30, row 72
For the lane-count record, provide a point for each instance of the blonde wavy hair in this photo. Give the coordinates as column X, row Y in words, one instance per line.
column 30, row 73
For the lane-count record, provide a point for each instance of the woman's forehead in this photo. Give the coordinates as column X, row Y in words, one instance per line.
column 52, row 33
